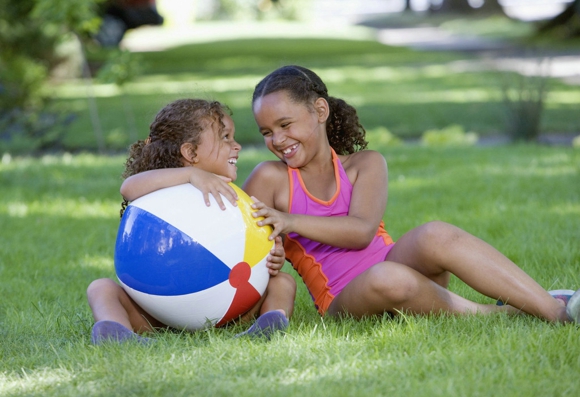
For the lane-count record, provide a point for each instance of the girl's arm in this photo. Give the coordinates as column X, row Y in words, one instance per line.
column 142, row 183
column 368, row 171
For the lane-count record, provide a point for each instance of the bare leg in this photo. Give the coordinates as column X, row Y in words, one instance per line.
column 437, row 249
column 108, row 301
column 391, row 287
column 275, row 308
column 280, row 294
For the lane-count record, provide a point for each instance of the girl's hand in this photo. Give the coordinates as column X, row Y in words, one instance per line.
column 213, row 184
column 280, row 221
column 276, row 259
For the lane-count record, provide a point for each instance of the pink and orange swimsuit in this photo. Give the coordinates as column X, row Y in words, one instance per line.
column 325, row 269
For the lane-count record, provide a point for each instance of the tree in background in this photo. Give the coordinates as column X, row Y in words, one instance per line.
column 30, row 32
column 566, row 24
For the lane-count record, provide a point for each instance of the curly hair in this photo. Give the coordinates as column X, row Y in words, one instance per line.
column 345, row 133
column 181, row 121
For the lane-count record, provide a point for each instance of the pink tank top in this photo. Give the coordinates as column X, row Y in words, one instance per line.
column 326, row 269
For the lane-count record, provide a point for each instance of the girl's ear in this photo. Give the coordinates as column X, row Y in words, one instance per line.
column 322, row 109
column 188, row 153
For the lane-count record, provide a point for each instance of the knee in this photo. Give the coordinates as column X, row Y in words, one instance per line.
column 394, row 283
column 100, row 287
column 437, row 234
column 282, row 281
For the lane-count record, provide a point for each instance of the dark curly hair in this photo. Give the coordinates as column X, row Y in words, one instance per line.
column 345, row 133
column 181, row 121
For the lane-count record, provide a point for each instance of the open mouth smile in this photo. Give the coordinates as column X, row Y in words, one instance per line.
column 289, row 150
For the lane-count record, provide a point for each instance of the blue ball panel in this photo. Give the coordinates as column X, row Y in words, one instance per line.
column 155, row 257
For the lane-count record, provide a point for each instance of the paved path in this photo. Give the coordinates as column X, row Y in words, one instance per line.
column 494, row 54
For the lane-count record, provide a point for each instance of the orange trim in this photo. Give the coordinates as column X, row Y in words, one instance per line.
column 311, row 273
column 291, row 181
column 336, row 178
column 383, row 233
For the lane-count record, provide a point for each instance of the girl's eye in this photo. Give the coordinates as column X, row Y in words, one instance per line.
column 266, row 133
column 285, row 125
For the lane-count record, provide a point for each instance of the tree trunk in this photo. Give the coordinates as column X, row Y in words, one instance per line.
column 452, row 6
column 491, row 7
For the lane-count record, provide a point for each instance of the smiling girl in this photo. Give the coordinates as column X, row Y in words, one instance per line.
column 190, row 141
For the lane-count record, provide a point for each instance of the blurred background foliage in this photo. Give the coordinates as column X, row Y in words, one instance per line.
column 68, row 81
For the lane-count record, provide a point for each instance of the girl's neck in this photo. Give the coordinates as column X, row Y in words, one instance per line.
column 321, row 163
column 319, row 176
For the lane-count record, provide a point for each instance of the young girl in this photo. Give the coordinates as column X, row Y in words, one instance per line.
column 190, row 141
column 328, row 198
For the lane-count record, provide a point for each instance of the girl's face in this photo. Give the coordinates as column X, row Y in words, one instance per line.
column 292, row 131
column 218, row 151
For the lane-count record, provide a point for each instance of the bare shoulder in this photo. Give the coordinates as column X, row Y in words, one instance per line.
column 267, row 171
column 269, row 183
column 363, row 160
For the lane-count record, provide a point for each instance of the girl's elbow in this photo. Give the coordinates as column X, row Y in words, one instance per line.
column 364, row 241
column 126, row 193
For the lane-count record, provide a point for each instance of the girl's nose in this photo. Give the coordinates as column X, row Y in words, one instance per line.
column 278, row 139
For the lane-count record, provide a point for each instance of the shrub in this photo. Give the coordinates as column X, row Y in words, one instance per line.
column 524, row 94
column 380, row 137
column 453, row 135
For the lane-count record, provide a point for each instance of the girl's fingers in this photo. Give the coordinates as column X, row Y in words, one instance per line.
column 274, row 234
column 260, row 213
column 206, row 199
column 220, row 202
column 232, row 196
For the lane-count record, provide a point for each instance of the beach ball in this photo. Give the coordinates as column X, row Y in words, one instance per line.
column 188, row 265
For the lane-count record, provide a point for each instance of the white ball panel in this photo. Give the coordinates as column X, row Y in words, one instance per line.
column 191, row 311
column 211, row 226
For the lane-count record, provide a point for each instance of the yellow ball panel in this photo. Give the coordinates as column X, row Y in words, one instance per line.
column 257, row 244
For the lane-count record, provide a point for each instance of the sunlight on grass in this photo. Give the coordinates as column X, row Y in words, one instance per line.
column 451, row 96
column 70, row 208
column 381, row 73
column 68, row 159
column 563, row 97
column 98, row 262
column 70, row 91
column 565, row 209
column 360, row 75
column 16, row 209
column 35, row 381
column 403, row 183
column 532, row 170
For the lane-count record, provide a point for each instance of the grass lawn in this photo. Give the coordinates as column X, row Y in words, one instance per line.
column 404, row 90
column 59, row 217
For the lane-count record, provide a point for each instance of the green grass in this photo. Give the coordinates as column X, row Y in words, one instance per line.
column 404, row 90
column 59, row 217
